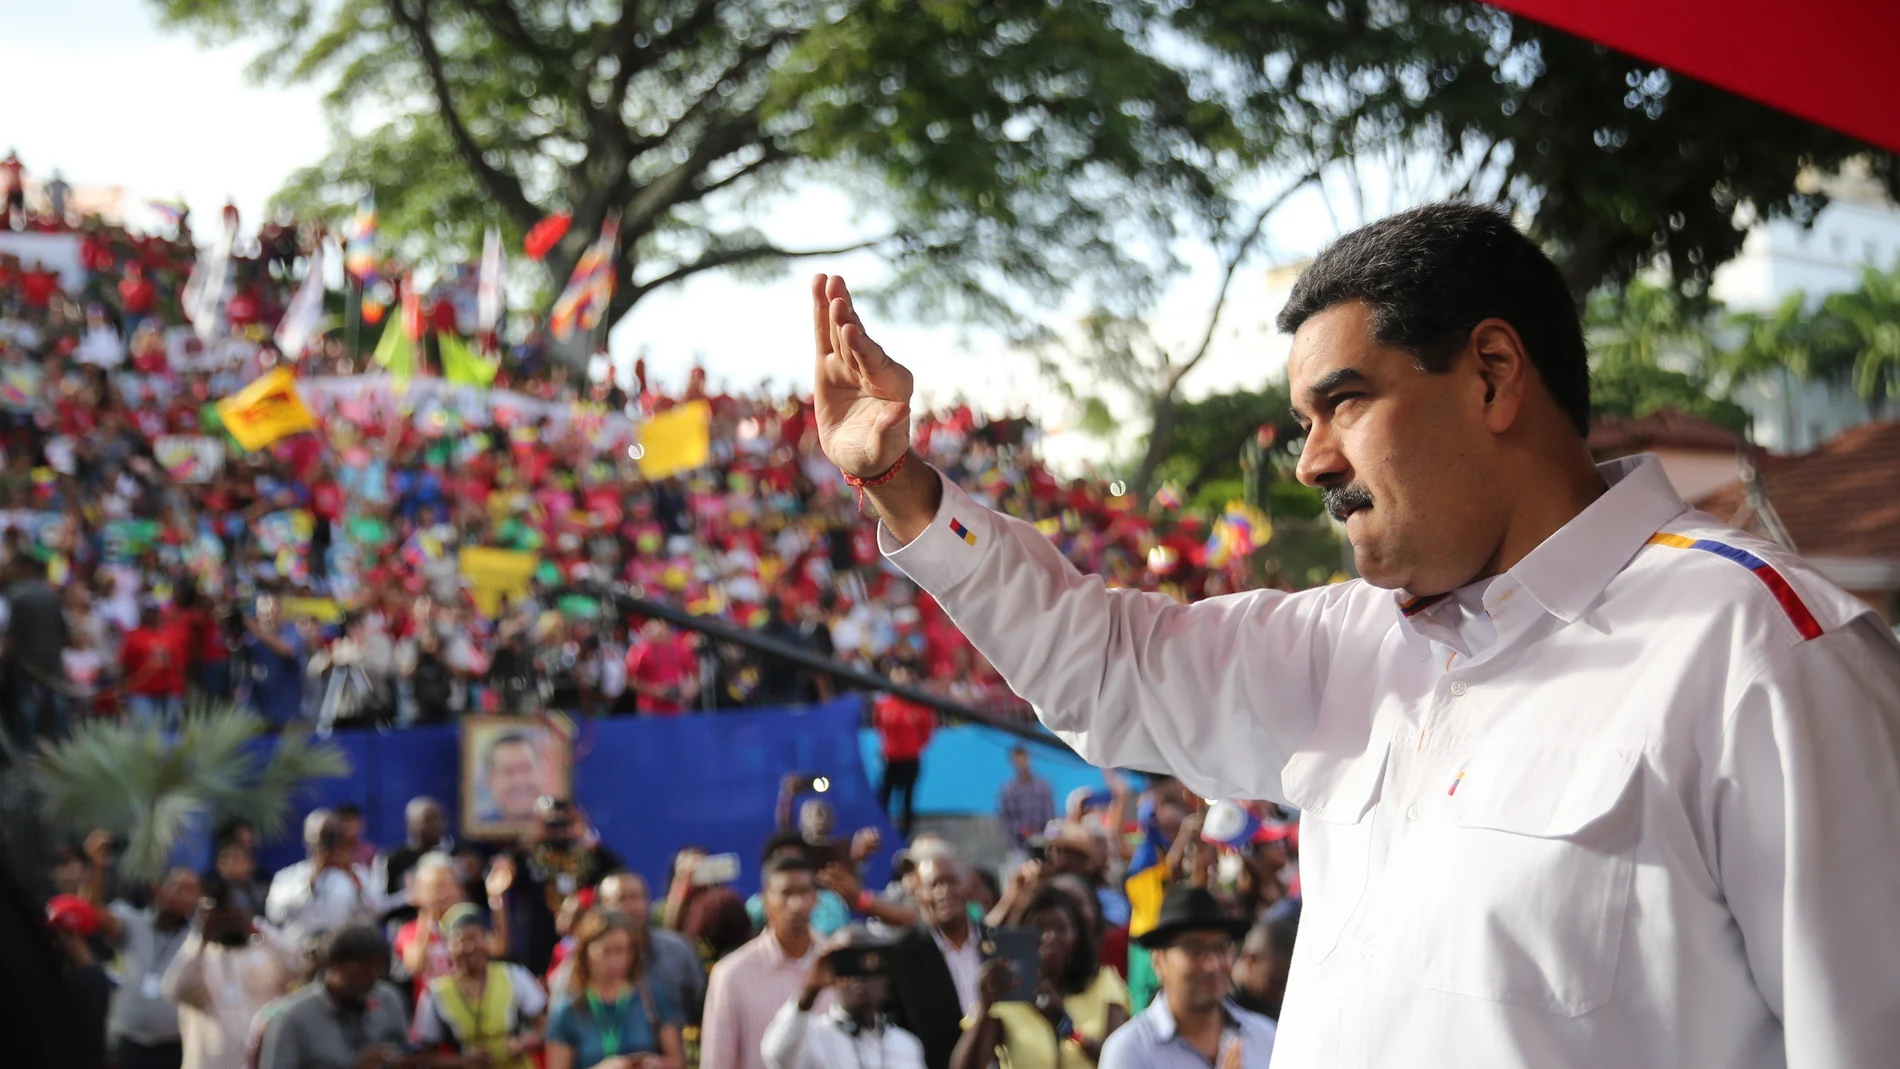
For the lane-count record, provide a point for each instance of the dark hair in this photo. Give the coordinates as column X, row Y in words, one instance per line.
column 784, row 841
column 349, row 809
column 1085, row 957
column 228, row 831
column 1433, row 273
column 355, row 943
column 784, row 863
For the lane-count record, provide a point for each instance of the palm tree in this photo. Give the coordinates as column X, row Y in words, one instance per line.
column 1870, row 316
column 134, row 779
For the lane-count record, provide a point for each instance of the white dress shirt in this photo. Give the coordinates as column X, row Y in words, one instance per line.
column 300, row 906
column 826, row 1039
column 219, row 990
column 965, row 964
column 1653, row 822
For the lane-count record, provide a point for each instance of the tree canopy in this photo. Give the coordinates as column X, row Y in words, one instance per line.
column 1615, row 161
column 997, row 146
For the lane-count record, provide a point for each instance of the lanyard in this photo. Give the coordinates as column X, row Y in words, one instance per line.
column 609, row 1034
column 474, row 1010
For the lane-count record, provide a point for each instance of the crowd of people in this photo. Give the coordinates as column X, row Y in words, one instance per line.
column 548, row 952
column 317, row 579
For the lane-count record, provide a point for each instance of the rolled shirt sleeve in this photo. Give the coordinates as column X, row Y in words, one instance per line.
column 1805, row 804
column 1220, row 691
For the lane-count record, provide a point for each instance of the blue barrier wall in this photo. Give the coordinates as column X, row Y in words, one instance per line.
column 652, row 786
column 965, row 766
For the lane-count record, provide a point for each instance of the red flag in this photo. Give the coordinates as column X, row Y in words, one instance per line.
column 545, row 234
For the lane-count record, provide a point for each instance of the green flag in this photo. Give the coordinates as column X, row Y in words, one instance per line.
column 460, row 365
column 395, row 354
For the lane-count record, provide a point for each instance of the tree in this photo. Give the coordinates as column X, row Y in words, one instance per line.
column 1615, row 162
column 1850, row 338
column 1008, row 146
column 129, row 778
column 1119, row 349
column 1651, row 349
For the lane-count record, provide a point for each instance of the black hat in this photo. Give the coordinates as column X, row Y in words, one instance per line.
column 1190, row 909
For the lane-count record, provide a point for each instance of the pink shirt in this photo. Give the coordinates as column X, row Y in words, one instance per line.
column 745, row 992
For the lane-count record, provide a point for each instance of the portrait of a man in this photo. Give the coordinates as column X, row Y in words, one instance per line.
column 507, row 764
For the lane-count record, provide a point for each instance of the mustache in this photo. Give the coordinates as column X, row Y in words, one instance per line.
column 1341, row 500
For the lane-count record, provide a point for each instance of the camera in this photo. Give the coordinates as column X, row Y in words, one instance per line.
column 860, row 961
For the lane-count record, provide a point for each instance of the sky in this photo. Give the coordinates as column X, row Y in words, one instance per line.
column 119, row 101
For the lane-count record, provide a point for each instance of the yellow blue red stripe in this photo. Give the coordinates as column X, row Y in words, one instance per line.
column 962, row 532
column 1791, row 603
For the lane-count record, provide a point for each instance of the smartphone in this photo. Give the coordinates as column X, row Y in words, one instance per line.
column 858, row 961
column 1018, row 946
column 715, row 870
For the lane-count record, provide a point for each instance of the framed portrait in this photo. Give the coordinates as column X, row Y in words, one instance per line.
column 509, row 762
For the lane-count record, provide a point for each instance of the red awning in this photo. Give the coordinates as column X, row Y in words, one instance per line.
column 1836, row 62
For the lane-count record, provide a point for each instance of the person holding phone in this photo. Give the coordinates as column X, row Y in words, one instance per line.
column 854, row 1031
column 610, row 1017
column 1076, row 1003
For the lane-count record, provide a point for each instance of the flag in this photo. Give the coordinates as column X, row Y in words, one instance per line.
column 544, row 235
column 305, row 314
column 488, row 300
column 359, row 251
column 496, row 574
column 675, row 441
column 396, row 351
column 1239, row 531
column 169, row 211
column 590, row 287
column 459, row 365
column 266, row 410
column 203, row 297
column 1168, row 497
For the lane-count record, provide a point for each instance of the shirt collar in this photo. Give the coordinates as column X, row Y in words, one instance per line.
column 1166, row 1028
column 1569, row 569
column 776, row 955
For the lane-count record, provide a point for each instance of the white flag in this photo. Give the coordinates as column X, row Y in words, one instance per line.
column 488, row 291
column 305, row 314
column 204, row 290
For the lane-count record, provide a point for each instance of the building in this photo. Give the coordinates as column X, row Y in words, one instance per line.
column 1698, row 456
column 1837, row 505
column 1860, row 227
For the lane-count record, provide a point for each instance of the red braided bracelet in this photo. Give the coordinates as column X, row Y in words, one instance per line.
column 861, row 484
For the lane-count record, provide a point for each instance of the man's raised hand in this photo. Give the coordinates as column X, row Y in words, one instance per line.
column 862, row 396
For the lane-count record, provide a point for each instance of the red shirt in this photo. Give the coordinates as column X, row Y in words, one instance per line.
column 657, row 664
column 138, row 295
column 159, row 651
column 903, row 726
column 38, row 286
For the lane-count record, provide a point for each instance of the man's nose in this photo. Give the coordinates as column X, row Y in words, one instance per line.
column 1321, row 461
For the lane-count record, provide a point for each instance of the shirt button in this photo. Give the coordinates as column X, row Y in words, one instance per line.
column 1458, row 689
column 1366, row 950
column 1417, row 812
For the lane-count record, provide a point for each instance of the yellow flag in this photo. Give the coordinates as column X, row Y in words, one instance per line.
column 496, row 573
column 266, row 410
column 675, row 441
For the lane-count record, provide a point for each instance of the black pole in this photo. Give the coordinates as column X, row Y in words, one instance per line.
column 714, row 627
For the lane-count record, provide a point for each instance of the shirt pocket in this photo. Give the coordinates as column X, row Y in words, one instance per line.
column 1523, row 895
column 1336, row 793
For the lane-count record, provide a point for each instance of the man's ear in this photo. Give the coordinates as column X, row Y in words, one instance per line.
column 1505, row 367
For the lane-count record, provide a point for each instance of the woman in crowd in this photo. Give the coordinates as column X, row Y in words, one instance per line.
column 1078, row 1002
column 422, row 945
column 488, row 1012
column 610, row 1017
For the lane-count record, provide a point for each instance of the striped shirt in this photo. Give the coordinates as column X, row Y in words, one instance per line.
column 1025, row 806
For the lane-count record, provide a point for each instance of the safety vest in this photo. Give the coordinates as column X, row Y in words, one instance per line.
column 480, row 1027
